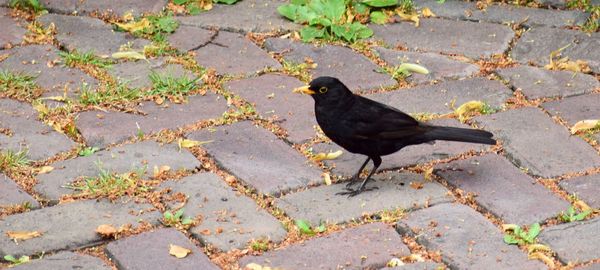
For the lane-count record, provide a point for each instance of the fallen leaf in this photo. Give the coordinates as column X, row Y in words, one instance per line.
column 412, row 68
column 129, row 55
column 416, row 185
column 409, row 17
column 427, row 12
column 429, row 174
column 395, row 262
column 327, row 179
column 537, row 247
column 542, row 257
column 106, row 230
column 45, row 169
column 327, row 156
column 253, row 266
column 584, row 125
column 178, row 252
column 581, row 205
column 135, row 26
column 205, row 232
column 159, row 100
column 185, row 143
column 22, row 235
column 467, row 108
column 158, row 171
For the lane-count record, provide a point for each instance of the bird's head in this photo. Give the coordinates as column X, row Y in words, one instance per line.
column 325, row 89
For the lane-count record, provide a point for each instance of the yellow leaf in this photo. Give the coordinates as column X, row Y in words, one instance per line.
column 427, row 12
column 253, row 266
column 467, row 108
column 128, row 55
column 128, row 16
column 22, row 235
column 178, row 252
column 509, row 227
column 584, row 125
column 542, row 257
column 106, row 230
column 327, row 156
column 395, row 262
column 409, row 17
column 413, row 68
column 185, row 143
column 429, row 174
column 327, row 179
column 41, row 107
column 581, row 205
column 134, row 26
column 45, row 169
column 158, row 171
column 537, row 247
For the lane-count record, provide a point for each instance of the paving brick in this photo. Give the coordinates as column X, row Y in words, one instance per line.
column 348, row 163
column 353, row 69
column 150, row 250
column 365, row 247
column 586, row 188
column 244, row 16
column 121, row 159
column 465, row 238
column 395, row 192
column 187, row 38
column 39, row 61
column 273, row 98
column 12, row 33
column 100, row 128
column 258, row 158
column 69, row 226
column 86, row 34
column 418, row 266
column 503, row 189
column 537, row 83
column 65, row 260
column 594, row 266
column 244, row 57
column 437, row 98
column 453, row 37
column 575, row 241
column 575, row 109
column 137, row 74
column 440, row 67
column 29, row 134
column 528, row 135
column 135, row 7
column 536, row 45
column 222, row 208
column 505, row 13
column 11, row 194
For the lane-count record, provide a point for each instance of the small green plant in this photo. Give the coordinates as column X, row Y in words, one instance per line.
column 111, row 185
column 29, row 5
column 516, row 235
column 88, row 151
column 18, row 85
column 153, row 27
column 15, row 261
column 573, row 215
column 405, row 70
column 259, row 245
column 306, row 228
column 169, row 86
column 110, row 94
column 74, row 58
column 173, row 219
column 10, row 159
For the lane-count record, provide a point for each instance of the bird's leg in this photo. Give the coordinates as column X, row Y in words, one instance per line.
column 354, row 178
column 361, row 188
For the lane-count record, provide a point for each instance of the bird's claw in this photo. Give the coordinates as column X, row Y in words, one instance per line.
column 353, row 192
column 352, row 182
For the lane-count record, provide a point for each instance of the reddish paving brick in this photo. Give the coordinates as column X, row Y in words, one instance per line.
column 150, row 250
column 11, row 194
column 575, row 242
column 503, row 189
column 365, row 247
column 528, row 135
column 273, row 97
column 258, row 158
column 12, row 33
column 353, row 69
column 585, row 188
column 100, row 128
column 65, row 260
column 465, row 238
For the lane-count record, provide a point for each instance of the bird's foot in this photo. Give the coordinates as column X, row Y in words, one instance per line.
column 353, row 192
column 352, row 182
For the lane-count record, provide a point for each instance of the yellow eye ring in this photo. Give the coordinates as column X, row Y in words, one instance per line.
column 323, row 90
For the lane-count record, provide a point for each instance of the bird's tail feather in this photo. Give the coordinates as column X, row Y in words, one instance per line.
column 460, row 135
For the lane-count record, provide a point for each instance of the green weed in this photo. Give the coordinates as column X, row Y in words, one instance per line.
column 29, row 5
column 572, row 215
column 72, row 59
column 10, row 159
column 175, row 219
column 168, row 86
column 519, row 236
column 18, row 85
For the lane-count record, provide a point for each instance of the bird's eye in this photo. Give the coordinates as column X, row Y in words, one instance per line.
column 323, row 90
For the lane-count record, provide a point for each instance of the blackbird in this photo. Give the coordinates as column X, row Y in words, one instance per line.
column 367, row 127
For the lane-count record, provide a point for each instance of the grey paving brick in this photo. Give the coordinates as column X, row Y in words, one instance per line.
column 188, row 38
column 100, row 128
column 321, row 204
column 537, row 83
column 533, row 141
column 65, row 260
column 244, row 16
column 593, row 266
column 150, row 250
column 39, row 61
column 90, row 34
column 586, row 188
column 348, row 163
column 418, row 266
column 575, row 109
column 70, row 225
column 222, row 208
column 12, row 33
column 27, row 133
column 440, row 67
column 243, row 56
column 11, row 194
column 456, row 37
column 437, row 99
column 137, row 74
column 536, row 45
column 118, row 160
column 365, row 247
column 135, row 7
column 273, row 98
column 353, row 69
column 465, row 238
column 503, row 189
column 505, row 13
column 575, row 241
column 258, row 158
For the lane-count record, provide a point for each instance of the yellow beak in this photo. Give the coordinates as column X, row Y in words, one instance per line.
column 304, row 90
